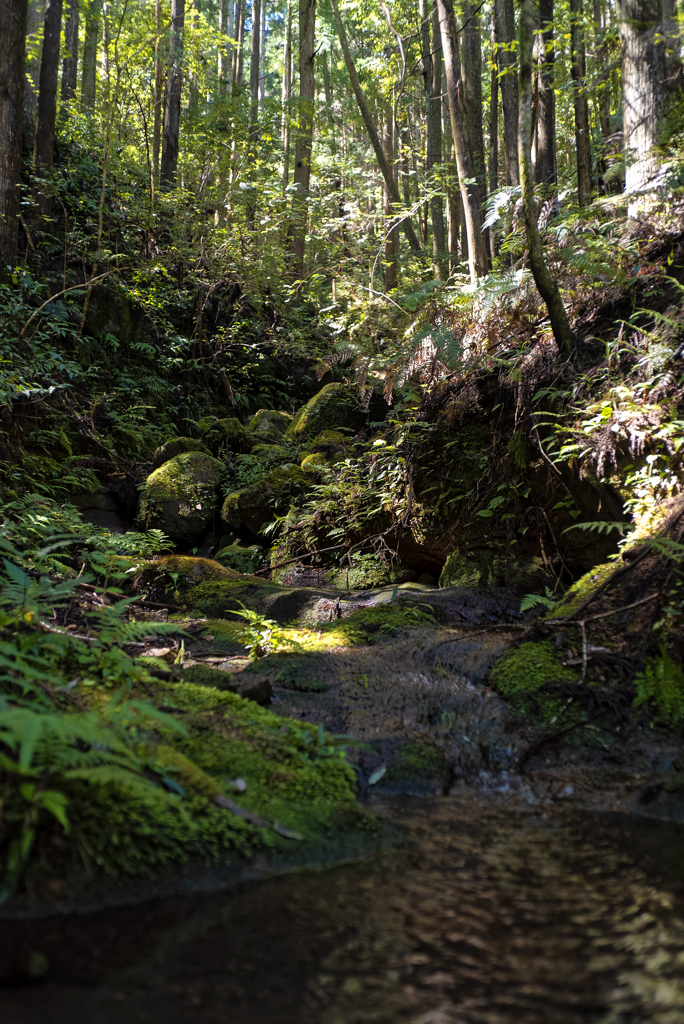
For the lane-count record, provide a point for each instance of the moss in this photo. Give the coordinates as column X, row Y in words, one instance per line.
column 243, row 559
column 583, row 588
column 300, row 672
column 219, row 598
column 527, row 668
column 270, row 453
column 172, row 576
column 269, row 424
column 228, row 434
column 368, row 572
column 335, row 405
column 314, row 463
column 256, row 505
column 487, row 567
column 180, row 496
column 417, row 763
column 177, row 446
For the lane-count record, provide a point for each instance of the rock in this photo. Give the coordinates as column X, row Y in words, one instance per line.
column 335, row 405
column 176, row 446
column 228, row 435
column 270, row 452
column 314, row 463
column 179, row 497
column 256, row 688
column 100, row 509
column 169, row 578
column 269, row 424
column 257, row 504
column 217, row 599
column 367, row 572
column 487, row 567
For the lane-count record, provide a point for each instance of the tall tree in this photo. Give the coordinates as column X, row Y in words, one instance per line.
column 34, row 49
column 301, row 178
column 70, row 60
column 432, row 78
column 649, row 75
column 367, row 118
column 172, row 98
column 158, row 96
column 493, row 163
column 226, row 8
column 254, row 65
column 545, row 123
column 391, row 231
column 470, row 192
column 546, row 285
column 506, row 59
column 287, row 93
column 89, row 69
column 578, row 73
column 44, row 145
column 13, row 15
column 262, row 55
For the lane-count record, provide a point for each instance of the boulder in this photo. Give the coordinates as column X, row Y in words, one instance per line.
column 335, row 405
column 179, row 497
column 228, row 435
column 170, row 577
column 314, row 463
column 241, row 558
column 176, row 446
column 100, row 509
column 485, row 568
column 251, row 687
column 269, row 424
column 254, row 506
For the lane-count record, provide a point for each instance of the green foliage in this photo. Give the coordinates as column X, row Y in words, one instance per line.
column 548, row 600
column 258, row 634
column 661, row 684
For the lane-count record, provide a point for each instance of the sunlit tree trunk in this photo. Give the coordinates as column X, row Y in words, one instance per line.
column 304, row 137
column 546, row 285
column 432, row 77
column 13, row 15
column 34, row 49
column 470, row 193
column 391, row 237
column 262, row 55
column 287, row 93
column 545, row 121
column 505, row 59
column 89, row 67
column 158, row 91
column 172, row 98
column 44, row 145
column 225, row 26
column 367, row 118
column 254, row 66
column 70, row 60
column 578, row 73
column 650, row 73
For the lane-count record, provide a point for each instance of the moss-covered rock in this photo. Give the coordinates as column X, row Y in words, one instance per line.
column 242, row 558
column 335, row 405
column 269, row 424
column 248, row 686
column 256, row 505
column 416, row 769
column 493, row 568
column 526, row 668
column 170, row 578
column 283, row 604
column 314, row 463
column 368, row 572
column 179, row 497
column 270, row 452
column 176, row 446
column 228, row 434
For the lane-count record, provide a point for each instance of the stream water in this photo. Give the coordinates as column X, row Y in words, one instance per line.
column 489, row 913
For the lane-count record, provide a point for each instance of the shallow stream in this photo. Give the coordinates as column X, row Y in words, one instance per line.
column 488, row 913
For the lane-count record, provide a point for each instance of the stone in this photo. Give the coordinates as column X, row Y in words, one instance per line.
column 176, row 446
column 269, row 424
column 314, row 463
column 256, row 688
column 170, row 577
column 335, row 405
column 228, row 434
column 487, row 567
column 254, row 506
column 100, row 509
column 179, row 497
column 244, row 559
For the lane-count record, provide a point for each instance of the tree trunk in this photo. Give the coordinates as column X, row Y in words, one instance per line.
column 238, row 52
column 89, row 69
column 262, row 55
column 432, row 77
column 648, row 78
column 505, row 59
column 493, row 167
column 391, row 237
column 13, row 16
column 545, row 122
column 287, row 93
column 406, row 224
column 470, row 193
column 547, row 287
column 172, row 98
column 578, row 73
column 44, row 146
column 70, row 61
column 254, row 67
column 34, row 49
column 304, row 139
column 158, row 90
column 225, row 11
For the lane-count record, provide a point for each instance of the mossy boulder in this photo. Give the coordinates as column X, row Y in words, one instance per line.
column 416, row 770
column 228, row 434
column 368, row 572
column 176, row 446
column 270, row 452
column 486, row 568
column 180, row 497
column 314, row 463
column 335, row 405
column 172, row 576
column 219, row 599
column 269, row 424
column 240, row 557
column 250, row 687
column 254, row 506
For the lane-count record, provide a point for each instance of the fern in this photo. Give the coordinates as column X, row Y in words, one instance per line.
column 532, row 600
column 662, row 684
column 601, row 527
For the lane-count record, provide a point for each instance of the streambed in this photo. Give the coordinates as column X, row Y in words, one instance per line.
column 491, row 911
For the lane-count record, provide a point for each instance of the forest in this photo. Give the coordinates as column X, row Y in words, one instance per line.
column 341, row 516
